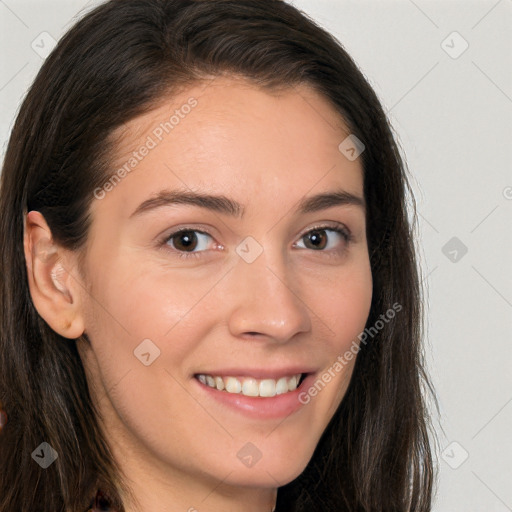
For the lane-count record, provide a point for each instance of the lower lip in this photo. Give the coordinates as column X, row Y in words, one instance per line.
column 276, row 407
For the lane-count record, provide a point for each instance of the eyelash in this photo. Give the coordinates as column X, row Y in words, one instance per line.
column 338, row 228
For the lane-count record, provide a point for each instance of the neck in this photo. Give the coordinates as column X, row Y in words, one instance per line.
column 148, row 495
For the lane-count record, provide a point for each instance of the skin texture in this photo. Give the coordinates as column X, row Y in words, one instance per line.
column 292, row 306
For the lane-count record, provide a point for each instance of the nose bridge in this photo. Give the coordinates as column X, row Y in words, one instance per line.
column 263, row 300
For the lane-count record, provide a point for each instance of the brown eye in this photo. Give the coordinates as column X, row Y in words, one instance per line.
column 184, row 240
column 316, row 239
column 325, row 239
column 189, row 240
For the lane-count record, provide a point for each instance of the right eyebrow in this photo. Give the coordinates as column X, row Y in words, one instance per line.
column 218, row 203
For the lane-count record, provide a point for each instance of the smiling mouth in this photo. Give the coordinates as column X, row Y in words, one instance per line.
column 248, row 386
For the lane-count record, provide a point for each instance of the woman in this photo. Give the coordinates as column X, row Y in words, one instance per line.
column 210, row 298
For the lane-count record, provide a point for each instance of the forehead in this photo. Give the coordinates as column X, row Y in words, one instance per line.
column 228, row 134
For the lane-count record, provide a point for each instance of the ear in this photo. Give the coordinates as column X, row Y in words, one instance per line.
column 53, row 281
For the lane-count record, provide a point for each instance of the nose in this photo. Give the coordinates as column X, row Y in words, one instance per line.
column 263, row 302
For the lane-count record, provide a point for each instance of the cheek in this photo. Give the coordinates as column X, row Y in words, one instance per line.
column 340, row 306
column 134, row 302
column 341, row 303
column 128, row 307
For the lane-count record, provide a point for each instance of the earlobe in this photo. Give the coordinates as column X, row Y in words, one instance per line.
column 53, row 288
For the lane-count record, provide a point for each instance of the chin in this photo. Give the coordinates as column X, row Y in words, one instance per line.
column 269, row 473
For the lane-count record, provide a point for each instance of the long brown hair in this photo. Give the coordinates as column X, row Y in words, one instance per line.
column 113, row 65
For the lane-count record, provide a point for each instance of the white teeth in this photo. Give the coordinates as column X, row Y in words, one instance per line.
column 219, row 383
column 232, row 385
column 267, row 387
column 292, row 383
column 249, row 386
column 282, row 386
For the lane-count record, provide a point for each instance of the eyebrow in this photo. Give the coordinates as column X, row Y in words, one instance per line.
column 222, row 204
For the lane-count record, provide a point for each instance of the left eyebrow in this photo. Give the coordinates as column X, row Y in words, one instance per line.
column 222, row 204
column 328, row 200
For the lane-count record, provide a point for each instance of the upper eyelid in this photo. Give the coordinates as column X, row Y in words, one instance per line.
column 328, row 226
column 167, row 237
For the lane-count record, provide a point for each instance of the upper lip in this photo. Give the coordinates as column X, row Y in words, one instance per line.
column 258, row 373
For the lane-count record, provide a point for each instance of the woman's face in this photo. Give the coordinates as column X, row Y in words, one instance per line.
column 269, row 279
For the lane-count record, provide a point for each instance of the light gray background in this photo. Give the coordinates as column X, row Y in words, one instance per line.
column 453, row 116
